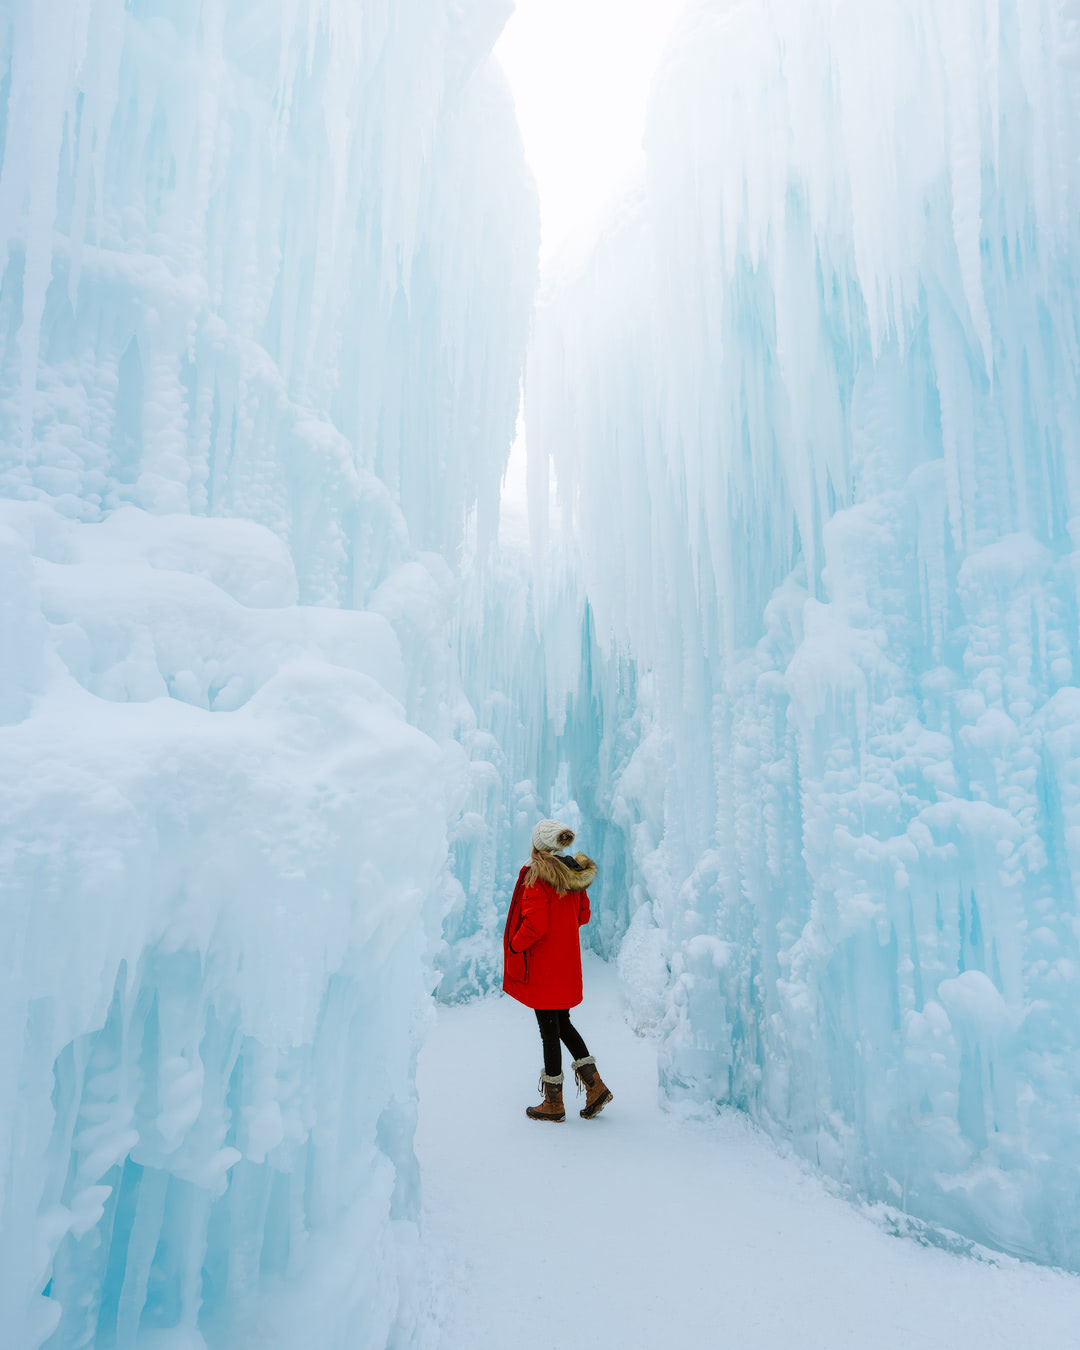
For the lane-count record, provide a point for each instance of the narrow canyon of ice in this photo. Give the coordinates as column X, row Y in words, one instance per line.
column 791, row 635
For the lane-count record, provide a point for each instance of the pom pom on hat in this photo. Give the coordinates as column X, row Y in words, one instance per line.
column 550, row 835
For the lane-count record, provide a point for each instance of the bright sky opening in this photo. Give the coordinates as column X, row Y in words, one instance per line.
column 581, row 72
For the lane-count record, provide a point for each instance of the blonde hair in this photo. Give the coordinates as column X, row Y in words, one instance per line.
column 545, row 866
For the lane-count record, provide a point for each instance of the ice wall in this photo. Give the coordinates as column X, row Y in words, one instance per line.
column 266, row 277
column 811, row 402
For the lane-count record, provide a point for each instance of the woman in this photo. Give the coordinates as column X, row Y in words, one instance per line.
column 542, row 962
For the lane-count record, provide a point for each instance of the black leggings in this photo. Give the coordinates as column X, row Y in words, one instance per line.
column 555, row 1026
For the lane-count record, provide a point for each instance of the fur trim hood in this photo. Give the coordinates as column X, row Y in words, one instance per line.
column 561, row 873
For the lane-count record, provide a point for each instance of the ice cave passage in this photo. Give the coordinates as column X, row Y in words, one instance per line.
column 782, row 617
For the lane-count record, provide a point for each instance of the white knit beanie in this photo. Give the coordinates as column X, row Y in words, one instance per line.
column 550, row 835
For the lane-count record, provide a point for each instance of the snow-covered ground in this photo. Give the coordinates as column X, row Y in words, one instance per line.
column 642, row 1231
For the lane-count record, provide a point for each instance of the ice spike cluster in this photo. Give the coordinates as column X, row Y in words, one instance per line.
column 266, row 268
column 811, row 403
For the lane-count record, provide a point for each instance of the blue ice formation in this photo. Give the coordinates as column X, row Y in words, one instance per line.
column 811, row 402
column 799, row 652
column 267, row 268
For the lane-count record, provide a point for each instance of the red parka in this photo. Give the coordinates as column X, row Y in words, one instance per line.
column 541, row 946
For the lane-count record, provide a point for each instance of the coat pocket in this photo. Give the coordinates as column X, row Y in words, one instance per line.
column 517, row 966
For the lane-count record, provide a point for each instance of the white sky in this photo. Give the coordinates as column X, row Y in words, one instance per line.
column 580, row 71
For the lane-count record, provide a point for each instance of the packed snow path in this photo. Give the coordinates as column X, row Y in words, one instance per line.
column 639, row 1231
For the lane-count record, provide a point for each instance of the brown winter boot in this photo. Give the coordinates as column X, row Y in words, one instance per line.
column 597, row 1094
column 551, row 1108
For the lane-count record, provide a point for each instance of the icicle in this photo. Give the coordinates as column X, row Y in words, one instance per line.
column 810, row 402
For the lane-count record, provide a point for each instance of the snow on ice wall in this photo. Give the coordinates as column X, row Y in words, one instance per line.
column 266, row 276
column 811, row 401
